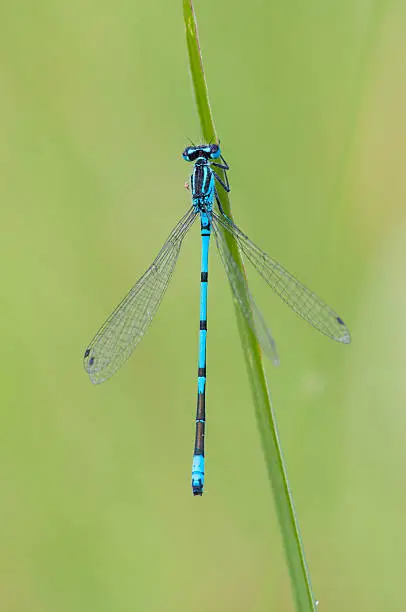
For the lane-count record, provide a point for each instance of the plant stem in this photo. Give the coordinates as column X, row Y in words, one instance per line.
column 266, row 420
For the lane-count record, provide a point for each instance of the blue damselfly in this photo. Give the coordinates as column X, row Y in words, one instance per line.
column 123, row 330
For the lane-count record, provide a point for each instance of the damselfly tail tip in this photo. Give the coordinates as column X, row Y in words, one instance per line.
column 197, row 486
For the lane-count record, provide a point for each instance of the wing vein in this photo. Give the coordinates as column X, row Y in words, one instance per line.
column 303, row 301
column 122, row 331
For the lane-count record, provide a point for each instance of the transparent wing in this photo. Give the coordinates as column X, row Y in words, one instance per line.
column 245, row 299
column 303, row 301
column 125, row 327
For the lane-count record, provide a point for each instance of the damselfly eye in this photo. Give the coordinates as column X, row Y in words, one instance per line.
column 186, row 154
column 214, row 151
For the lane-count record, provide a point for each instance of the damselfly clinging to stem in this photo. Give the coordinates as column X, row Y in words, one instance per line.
column 120, row 334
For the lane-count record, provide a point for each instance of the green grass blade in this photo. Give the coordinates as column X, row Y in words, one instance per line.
column 265, row 415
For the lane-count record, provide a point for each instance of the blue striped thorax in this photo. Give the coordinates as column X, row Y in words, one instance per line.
column 202, row 179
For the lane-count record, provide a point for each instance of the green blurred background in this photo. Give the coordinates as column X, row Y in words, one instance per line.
column 96, row 511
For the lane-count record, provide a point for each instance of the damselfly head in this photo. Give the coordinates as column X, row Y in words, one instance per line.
column 210, row 151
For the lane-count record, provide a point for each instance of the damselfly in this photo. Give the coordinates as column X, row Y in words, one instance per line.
column 123, row 330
